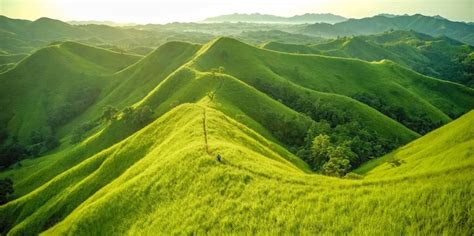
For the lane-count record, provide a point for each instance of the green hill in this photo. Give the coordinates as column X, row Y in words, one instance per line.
column 440, row 57
column 130, row 187
column 149, row 166
column 51, row 78
column 449, row 147
column 339, row 76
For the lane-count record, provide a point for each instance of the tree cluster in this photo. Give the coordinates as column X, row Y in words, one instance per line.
column 76, row 103
column 351, row 144
column 418, row 122
column 6, row 190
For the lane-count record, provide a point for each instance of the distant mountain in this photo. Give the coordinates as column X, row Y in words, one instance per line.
column 265, row 18
column 434, row 26
column 95, row 22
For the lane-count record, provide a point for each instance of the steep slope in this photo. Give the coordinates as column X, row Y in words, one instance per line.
column 449, row 147
column 348, row 77
column 138, row 185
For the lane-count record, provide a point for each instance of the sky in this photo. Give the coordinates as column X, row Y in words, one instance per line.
column 165, row 11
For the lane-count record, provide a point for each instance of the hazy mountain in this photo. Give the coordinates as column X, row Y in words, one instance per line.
column 265, row 18
column 95, row 22
column 433, row 26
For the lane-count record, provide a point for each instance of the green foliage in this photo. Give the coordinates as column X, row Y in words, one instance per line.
column 110, row 113
column 78, row 133
column 6, row 189
column 138, row 117
column 11, row 152
column 395, row 162
column 76, row 103
column 42, row 141
column 336, row 166
column 320, row 149
column 330, row 159
column 417, row 122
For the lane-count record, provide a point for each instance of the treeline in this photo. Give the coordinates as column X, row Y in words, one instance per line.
column 418, row 122
column 346, row 143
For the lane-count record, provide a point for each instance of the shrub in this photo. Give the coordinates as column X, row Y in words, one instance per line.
column 6, row 190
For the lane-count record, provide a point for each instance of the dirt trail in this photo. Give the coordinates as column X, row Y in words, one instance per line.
column 204, row 126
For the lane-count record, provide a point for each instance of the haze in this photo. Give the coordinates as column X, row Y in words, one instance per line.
column 164, row 11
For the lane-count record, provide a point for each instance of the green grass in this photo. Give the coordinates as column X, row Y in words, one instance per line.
column 164, row 177
column 449, row 147
column 162, row 180
column 43, row 80
column 437, row 57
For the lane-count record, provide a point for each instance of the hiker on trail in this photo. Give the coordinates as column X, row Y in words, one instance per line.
column 219, row 158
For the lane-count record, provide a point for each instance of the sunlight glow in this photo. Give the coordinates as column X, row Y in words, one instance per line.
column 163, row 11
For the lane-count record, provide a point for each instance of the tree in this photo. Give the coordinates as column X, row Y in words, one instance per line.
column 142, row 116
column 3, row 135
column 338, row 164
column 6, row 189
column 320, row 149
column 79, row 132
column 110, row 113
column 12, row 153
column 42, row 141
column 127, row 113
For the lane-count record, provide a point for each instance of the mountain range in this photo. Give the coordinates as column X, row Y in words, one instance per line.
column 265, row 18
column 434, row 26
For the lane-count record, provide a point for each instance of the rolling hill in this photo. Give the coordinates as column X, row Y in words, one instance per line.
column 150, row 167
column 165, row 167
column 52, row 77
column 440, row 57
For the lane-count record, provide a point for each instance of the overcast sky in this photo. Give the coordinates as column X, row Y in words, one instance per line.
column 164, row 11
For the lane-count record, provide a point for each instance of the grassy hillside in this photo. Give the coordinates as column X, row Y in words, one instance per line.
column 347, row 77
column 51, row 78
column 449, row 147
column 170, row 165
column 297, row 94
column 256, row 108
column 440, row 57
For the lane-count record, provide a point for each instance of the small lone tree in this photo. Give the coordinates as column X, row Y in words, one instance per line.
column 110, row 113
